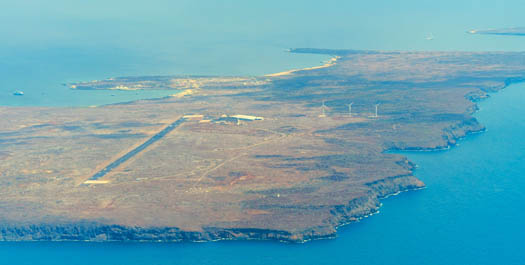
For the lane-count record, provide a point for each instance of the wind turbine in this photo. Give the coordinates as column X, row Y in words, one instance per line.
column 323, row 114
column 350, row 109
column 375, row 116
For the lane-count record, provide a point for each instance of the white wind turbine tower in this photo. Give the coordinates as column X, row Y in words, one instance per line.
column 323, row 114
column 377, row 106
column 350, row 109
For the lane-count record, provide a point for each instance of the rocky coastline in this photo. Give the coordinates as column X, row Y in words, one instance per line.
column 88, row 231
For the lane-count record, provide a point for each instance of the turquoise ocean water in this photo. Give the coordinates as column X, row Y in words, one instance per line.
column 45, row 43
column 469, row 214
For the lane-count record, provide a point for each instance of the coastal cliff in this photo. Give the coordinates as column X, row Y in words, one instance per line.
column 92, row 231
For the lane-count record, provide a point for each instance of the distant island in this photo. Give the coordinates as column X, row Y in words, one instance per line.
column 520, row 31
column 290, row 156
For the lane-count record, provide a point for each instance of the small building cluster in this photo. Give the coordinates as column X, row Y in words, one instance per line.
column 235, row 119
column 247, row 117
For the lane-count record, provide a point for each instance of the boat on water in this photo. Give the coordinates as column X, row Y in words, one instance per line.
column 18, row 93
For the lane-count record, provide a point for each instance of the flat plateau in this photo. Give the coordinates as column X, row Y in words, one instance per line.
column 289, row 157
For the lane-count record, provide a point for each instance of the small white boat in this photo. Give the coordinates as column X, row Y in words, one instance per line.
column 18, row 93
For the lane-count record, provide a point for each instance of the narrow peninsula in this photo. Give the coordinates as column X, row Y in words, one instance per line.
column 519, row 31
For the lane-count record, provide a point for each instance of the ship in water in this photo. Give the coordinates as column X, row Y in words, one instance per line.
column 18, row 93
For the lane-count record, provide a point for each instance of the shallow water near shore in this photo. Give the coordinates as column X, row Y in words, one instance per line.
column 469, row 214
column 48, row 43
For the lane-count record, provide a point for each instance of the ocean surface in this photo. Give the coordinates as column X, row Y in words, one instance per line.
column 47, row 43
column 470, row 213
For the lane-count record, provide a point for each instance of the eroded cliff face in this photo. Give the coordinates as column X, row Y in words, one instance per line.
column 353, row 211
column 285, row 157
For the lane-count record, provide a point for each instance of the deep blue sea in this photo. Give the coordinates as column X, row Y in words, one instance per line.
column 470, row 212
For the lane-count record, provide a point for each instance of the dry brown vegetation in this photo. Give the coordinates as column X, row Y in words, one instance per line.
column 293, row 176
